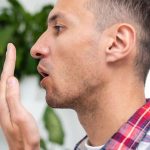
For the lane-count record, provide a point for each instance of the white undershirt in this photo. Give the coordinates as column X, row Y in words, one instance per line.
column 88, row 147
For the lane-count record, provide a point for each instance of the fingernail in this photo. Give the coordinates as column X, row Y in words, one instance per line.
column 8, row 48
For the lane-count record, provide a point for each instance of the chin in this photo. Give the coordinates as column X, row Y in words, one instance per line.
column 61, row 102
column 54, row 102
column 62, row 97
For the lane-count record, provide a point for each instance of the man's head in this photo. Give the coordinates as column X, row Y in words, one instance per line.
column 85, row 47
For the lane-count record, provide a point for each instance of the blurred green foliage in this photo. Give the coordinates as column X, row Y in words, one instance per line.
column 23, row 29
column 52, row 124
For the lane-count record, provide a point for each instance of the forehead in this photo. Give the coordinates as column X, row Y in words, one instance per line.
column 70, row 4
column 74, row 8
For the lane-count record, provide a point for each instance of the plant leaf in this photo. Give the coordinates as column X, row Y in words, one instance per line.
column 53, row 126
column 43, row 144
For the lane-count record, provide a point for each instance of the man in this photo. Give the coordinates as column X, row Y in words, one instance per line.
column 94, row 58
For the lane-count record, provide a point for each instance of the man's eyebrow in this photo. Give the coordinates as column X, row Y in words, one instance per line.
column 54, row 17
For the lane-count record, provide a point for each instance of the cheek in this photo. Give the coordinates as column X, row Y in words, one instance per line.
column 76, row 46
column 76, row 61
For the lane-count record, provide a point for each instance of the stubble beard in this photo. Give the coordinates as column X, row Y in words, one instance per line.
column 77, row 101
column 62, row 102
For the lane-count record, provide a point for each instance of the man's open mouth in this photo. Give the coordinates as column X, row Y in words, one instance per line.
column 43, row 74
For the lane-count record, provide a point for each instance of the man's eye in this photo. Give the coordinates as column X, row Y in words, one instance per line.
column 58, row 28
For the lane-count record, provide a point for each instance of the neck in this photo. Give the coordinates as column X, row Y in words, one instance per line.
column 112, row 107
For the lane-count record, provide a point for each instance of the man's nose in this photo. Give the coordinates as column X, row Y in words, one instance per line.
column 40, row 49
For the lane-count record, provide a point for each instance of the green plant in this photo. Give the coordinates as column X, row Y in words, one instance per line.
column 23, row 29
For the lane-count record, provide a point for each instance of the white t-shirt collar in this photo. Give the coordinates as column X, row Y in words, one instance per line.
column 88, row 147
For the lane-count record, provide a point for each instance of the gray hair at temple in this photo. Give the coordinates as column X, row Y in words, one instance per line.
column 134, row 12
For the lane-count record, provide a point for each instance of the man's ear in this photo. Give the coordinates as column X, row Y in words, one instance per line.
column 121, row 43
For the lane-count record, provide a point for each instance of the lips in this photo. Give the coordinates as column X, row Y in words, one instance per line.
column 42, row 71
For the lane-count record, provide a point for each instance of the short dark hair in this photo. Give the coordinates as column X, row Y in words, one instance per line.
column 135, row 12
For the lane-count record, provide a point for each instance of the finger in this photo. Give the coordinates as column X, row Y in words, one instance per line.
column 8, row 70
column 19, row 115
column 9, row 64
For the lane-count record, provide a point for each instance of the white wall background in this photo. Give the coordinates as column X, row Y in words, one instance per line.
column 32, row 6
column 33, row 96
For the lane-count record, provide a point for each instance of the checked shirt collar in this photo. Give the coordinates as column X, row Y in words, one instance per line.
column 130, row 134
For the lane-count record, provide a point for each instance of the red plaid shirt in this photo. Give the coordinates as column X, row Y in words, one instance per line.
column 132, row 135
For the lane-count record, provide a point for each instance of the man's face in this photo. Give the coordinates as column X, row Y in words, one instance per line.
column 69, row 54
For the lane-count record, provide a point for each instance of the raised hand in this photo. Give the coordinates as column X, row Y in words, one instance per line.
column 18, row 125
